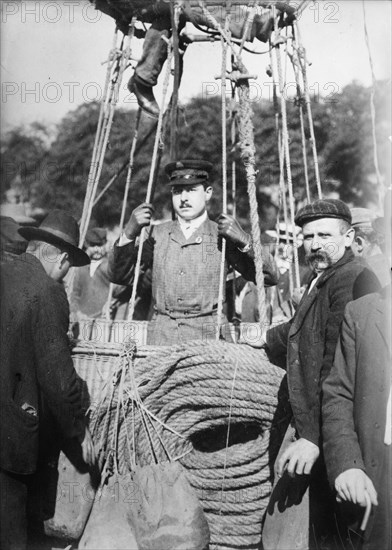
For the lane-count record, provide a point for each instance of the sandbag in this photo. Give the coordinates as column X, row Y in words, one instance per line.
column 109, row 526
column 74, row 496
column 167, row 513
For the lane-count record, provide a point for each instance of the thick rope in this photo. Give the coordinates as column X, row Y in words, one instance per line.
column 247, row 147
column 189, row 394
column 151, row 178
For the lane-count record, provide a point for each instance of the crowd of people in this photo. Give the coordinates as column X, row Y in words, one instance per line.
column 332, row 336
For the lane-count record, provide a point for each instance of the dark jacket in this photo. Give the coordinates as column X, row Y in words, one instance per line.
column 36, row 365
column 355, row 396
column 309, row 339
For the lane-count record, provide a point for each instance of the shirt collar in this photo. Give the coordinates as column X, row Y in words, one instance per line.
column 193, row 224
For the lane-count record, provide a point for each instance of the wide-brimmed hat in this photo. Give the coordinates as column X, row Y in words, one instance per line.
column 60, row 229
column 188, row 172
column 17, row 212
column 323, row 208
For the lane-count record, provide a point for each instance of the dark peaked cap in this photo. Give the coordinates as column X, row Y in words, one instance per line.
column 323, row 208
column 188, row 172
column 59, row 229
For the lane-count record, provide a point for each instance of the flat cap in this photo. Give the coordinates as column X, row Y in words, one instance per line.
column 96, row 236
column 323, row 208
column 188, row 172
column 362, row 216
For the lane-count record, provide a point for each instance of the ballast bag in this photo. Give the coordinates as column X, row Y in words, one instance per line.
column 109, row 525
column 75, row 495
column 167, row 513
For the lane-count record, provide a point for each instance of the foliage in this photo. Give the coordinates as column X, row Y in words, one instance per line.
column 54, row 172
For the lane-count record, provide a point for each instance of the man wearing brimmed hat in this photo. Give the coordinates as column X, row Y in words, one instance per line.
column 308, row 342
column 90, row 291
column 185, row 255
column 38, row 380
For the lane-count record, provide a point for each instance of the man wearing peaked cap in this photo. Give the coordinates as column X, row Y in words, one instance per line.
column 38, row 381
column 185, row 256
column 307, row 342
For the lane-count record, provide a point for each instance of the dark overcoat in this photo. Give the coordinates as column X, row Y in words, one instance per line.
column 309, row 339
column 185, row 278
column 355, row 396
column 36, row 364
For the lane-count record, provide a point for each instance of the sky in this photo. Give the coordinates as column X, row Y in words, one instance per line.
column 53, row 54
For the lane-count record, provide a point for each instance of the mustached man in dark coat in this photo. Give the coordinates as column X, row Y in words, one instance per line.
column 37, row 372
column 308, row 342
column 185, row 256
column 357, row 416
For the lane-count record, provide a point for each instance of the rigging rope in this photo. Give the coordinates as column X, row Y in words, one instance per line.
column 222, row 271
column 125, row 198
column 151, row 178
column 247, row 148
column 301, row 55
column 282, row 186
column 286, row 147
column 295, row 64
column 372, row 107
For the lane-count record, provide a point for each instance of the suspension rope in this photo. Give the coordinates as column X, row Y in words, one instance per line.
column 151, row 178
column 285, row 138
column 222, row 278
column 301, row 52
column 247, row 148
column 141, row 143
column 112, row 99
column 302, row 126
column 248, row 24
column 233, row 180
column 112, row 58
column 175, row 18
column 372, row 106
column 125, row 198
column 282, row 186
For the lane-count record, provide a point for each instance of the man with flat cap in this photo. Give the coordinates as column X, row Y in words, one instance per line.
column 300, row 512
column 38, row 381
column 185, row 255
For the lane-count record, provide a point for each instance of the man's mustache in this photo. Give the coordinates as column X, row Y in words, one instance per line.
column 320, row 256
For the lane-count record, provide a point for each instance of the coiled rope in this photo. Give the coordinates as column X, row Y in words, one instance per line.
column 178, row 407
